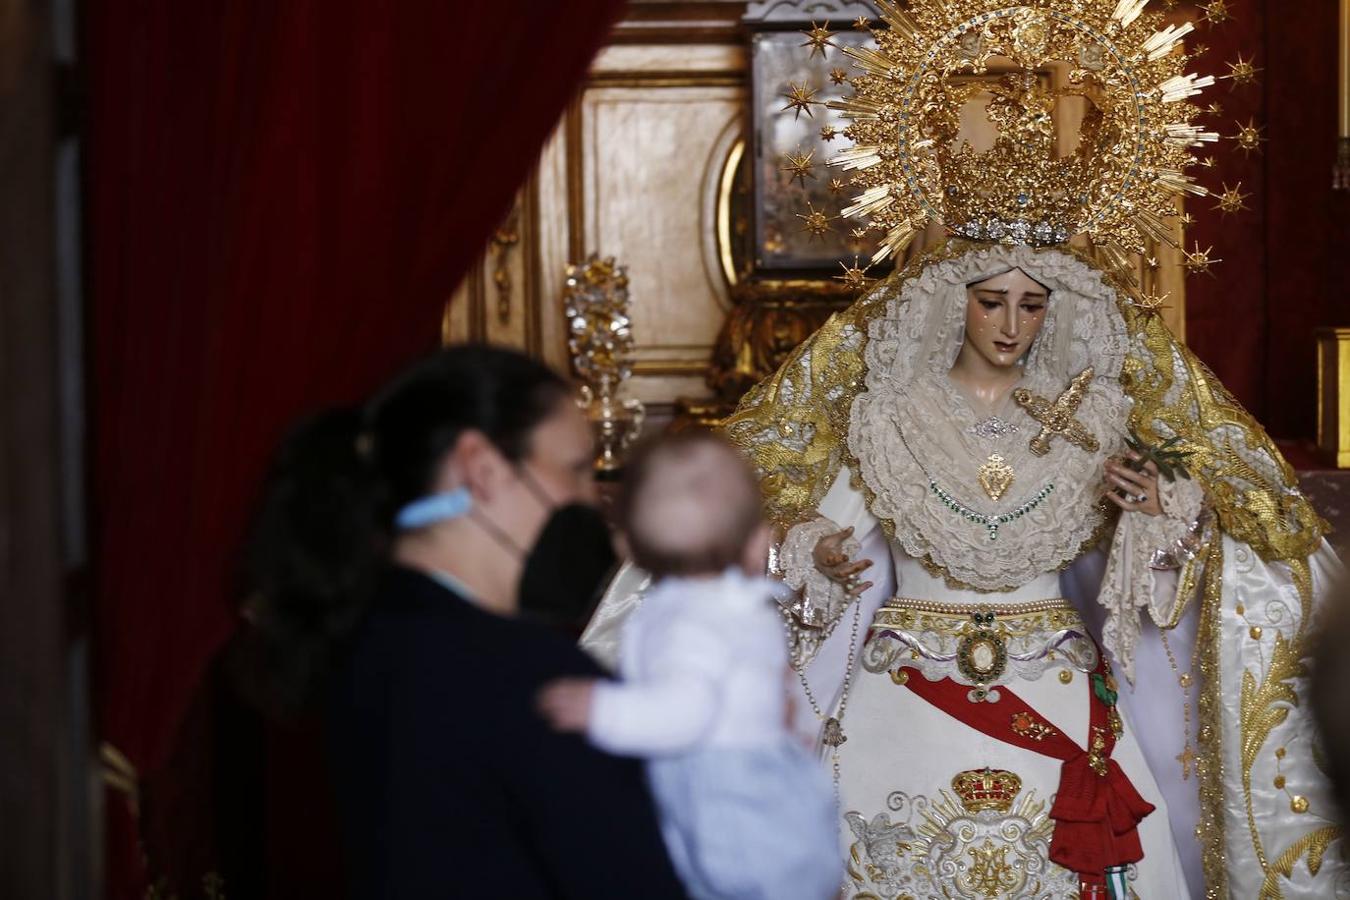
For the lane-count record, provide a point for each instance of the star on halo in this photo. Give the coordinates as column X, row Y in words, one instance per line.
column 818, row 39
column 1150, row 302
column 828, row 133
column 1232, row 200
column 815, row 221
column 862, row 23
column 838, row 75
column 800, row 98
column 1216, row 11
column 836, row 186
column 1241, row 72
column 854, row 277
column 1198, row 261
column 1186, row 219
column 1249, row 136
column 1214, row 109
column 799, row 166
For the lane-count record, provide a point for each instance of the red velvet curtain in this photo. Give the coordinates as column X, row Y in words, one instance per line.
column 281, row 197
column 1286, row 260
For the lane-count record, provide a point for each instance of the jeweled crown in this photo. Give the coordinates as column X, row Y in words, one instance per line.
column 1122, row 89
column 981, row 789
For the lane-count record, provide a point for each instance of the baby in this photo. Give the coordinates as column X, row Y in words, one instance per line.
column 746, row 812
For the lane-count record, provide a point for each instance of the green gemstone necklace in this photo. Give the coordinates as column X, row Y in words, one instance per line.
column 990, row 522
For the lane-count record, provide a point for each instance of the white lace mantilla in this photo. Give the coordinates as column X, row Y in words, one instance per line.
column 1142, row 547
column 912, row 425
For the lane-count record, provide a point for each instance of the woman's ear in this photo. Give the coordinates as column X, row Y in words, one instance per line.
column 472, row 462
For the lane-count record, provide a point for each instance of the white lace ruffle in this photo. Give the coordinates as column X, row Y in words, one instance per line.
column 822, row 598
column 1142, row 549
column 910, row 425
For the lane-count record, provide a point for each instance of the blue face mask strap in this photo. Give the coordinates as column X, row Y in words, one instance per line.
column 433, row 509
column 535, row 488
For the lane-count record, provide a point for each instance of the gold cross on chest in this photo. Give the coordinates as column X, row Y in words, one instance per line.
column 1057, row 419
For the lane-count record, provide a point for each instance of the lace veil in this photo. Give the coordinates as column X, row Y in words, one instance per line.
column 922, row 328
column 912, row 430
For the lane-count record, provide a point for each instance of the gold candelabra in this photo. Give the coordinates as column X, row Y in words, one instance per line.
column 600, row 339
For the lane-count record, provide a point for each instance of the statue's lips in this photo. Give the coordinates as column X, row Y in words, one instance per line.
column 1004, row 347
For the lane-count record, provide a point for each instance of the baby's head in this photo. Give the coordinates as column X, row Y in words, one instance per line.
column 691, row 506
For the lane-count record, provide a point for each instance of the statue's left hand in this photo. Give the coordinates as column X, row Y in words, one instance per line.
column 1130, row 490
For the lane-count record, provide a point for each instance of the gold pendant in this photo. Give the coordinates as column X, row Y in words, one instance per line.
column 996, row 476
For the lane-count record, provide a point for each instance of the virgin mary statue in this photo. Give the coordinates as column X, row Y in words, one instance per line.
column 1051, row 587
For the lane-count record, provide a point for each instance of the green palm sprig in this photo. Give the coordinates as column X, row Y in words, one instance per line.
column 1170, row 459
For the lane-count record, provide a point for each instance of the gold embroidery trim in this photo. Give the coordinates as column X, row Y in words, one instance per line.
column 1263, row 706
column 1025, row 725
column 966, row 610
column 1209, row 712
column 1264, row 702
column 1033, row 618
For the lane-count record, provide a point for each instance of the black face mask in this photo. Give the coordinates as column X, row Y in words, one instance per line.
column 568, row 567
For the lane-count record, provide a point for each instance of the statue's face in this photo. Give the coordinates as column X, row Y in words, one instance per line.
column 1003, row 316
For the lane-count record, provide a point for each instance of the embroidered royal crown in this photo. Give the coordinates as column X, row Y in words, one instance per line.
column 981, row 789
column 1090, row 102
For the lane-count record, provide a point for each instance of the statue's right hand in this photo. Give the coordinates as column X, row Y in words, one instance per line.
column 834, row 563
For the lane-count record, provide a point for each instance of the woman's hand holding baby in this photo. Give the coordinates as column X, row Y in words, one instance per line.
column 834, row 563
column 566, row 703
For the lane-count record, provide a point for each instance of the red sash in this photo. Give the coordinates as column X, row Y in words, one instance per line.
column 1097, row 810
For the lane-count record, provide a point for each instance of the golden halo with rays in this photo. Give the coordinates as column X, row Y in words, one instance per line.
column 1118, row 187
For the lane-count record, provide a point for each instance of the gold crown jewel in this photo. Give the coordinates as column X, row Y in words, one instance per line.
column 981, row 789
column 1106, row 66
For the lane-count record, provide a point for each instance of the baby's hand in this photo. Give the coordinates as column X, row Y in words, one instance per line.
column 566, row 703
